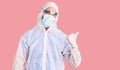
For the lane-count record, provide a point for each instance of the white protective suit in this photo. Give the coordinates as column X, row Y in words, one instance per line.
column 39, row 49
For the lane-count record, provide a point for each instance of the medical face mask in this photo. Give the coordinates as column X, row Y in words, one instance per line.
column 48, row 20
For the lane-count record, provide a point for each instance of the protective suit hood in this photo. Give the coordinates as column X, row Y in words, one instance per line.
column 39, row 22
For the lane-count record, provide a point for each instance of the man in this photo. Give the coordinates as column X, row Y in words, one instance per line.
column 44, row 46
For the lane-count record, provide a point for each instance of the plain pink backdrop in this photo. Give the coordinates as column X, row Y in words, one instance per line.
column 98, row 22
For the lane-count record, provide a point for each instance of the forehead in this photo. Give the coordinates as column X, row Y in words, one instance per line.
column 51, row 8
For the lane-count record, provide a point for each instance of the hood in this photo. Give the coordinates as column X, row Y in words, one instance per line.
column 48, row 4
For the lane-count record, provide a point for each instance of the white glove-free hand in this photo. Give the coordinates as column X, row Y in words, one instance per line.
column 72, row 39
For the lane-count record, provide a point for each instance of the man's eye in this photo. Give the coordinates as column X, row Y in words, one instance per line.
column 46, row 11
column 56, row 14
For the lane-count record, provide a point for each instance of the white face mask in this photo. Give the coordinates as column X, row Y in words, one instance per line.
column 48, row 20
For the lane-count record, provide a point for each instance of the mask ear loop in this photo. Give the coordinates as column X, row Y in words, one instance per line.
column 41, row 14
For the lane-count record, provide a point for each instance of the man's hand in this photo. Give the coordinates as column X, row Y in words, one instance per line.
column 72, row 39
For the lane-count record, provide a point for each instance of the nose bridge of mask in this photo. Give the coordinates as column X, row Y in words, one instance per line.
column 48, row 16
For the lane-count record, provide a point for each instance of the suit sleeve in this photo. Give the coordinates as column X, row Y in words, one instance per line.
column 72, row 55
column 21, row 55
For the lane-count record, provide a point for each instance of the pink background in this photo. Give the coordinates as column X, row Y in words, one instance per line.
column 98, row 22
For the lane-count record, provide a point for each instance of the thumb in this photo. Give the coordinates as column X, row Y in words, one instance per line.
column 76, row 34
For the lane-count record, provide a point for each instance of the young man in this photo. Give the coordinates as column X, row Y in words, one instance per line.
column 44, row 46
